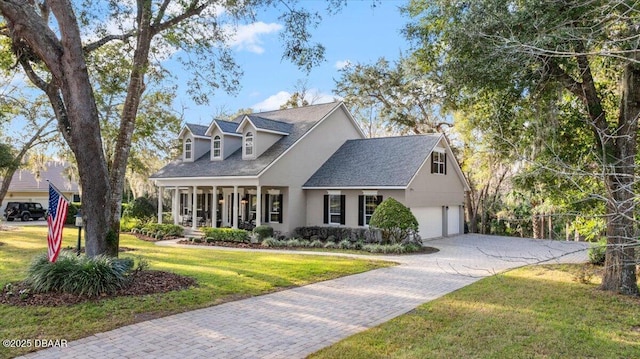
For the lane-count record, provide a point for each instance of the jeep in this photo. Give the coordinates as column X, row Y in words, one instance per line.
column 24, row 210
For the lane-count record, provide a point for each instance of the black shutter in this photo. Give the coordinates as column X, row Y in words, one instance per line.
column 326, row 209
column 342, row 209
column 361, row 210
column 378, row 200
column 433, row 163
column 265, row 208
column 281, row 214
column 246, row 208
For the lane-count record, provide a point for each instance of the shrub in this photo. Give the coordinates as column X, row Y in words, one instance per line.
column 142, row 208
column 272, row 243
column 81, row 275
column 316, row 244
column 313, row 233
column 128, row 224
column 263, row 232
column 164, row 229
column 72, row 211
column 597, row 252
column 345, row 244
column 395, row 221
column 227, row 234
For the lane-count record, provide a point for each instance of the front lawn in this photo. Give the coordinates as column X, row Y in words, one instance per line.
column 222, row 276
column 532, row 312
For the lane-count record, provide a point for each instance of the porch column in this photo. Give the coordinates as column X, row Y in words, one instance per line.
column 258, row 205
column 194, row 209
column 175, row 205
column 234, row 207
column 214, row 206
column 160, row 204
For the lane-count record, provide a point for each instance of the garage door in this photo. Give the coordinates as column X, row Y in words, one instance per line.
column 453, row 220
column 429, row 221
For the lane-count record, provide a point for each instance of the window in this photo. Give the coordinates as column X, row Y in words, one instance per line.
column 275, row 208
column 187, row 149
column 334, row 209
column 370, row 204
column 439, row 163
column 248, row 144
column 216, row 147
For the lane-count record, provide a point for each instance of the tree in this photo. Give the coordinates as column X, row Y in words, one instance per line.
column 540, row 48
column 402, row 96
column 395, row 220
column 39, row 130
column 53, row 50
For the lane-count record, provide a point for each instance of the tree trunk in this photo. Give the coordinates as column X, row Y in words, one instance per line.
column 472, row 212
column 620, row 265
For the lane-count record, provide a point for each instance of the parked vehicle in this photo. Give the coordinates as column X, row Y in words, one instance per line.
column 24, row 211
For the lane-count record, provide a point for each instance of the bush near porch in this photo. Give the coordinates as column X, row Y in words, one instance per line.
column 337, row 234
column 226, row 235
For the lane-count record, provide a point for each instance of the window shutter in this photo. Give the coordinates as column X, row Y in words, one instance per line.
column 326, row 209
column 342, row 209
column 433, row 163
column 246, row 208
column 265, row 208
column 361, row 210
column 281, row 214
column 378, row 200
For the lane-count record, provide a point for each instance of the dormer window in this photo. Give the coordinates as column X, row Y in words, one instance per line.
column 216, row 147
column 248, row 144
column 187, row 149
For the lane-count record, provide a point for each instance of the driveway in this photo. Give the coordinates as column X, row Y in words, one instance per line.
column 297, row 322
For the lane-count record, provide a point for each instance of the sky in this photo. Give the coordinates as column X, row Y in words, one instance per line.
column 359, row 33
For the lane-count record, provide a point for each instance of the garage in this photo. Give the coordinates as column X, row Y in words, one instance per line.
column 429, row 221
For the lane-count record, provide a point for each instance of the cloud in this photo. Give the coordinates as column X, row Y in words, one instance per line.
column 342, row 64
column 248, row 37
column 274, row 102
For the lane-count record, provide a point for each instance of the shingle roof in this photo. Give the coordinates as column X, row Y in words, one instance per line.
column 227, row 126
column 26, row 181
column 197, row 130
column 301, row 120
column 374, row 162
column 262, row 123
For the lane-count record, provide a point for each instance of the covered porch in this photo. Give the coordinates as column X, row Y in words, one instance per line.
column 240, row 204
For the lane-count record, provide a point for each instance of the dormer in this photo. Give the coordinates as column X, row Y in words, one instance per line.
column 258, row 134
column 224, row 139
column 194, row 141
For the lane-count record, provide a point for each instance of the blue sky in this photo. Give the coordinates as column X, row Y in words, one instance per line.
column 360, row 33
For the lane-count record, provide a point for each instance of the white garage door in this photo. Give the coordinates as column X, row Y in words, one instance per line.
column 453, row 220
column 429, row 221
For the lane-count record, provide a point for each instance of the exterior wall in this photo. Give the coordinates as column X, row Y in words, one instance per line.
column 297, row 165
column 428, row 190
column 200, row 147
column 262, row 141
column 315, row 204
column 228, row 144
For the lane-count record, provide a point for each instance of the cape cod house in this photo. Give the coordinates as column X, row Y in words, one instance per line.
column 309, row 166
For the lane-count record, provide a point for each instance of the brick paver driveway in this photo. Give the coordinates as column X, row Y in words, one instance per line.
column 294, row 323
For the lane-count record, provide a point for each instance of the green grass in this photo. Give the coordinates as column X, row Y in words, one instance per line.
column 532, row 312
column 222, row 276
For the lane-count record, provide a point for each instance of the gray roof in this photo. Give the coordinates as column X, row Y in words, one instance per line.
column 197, row 130
column 227, row 126
column 26, row 181
column 301, row 120
column 262, row 123
column 374, row 162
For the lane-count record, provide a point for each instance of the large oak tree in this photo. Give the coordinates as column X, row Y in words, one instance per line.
column 52, row 40
column 533, row 48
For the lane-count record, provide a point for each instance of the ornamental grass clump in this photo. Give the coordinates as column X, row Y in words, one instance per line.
column 81, row 275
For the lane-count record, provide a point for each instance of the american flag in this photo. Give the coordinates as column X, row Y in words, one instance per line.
column 55, row 221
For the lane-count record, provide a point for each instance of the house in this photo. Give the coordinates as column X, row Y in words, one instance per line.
column 27, row 186
column 309, row 166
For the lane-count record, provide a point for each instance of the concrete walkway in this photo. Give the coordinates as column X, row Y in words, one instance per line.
column 297, row 322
